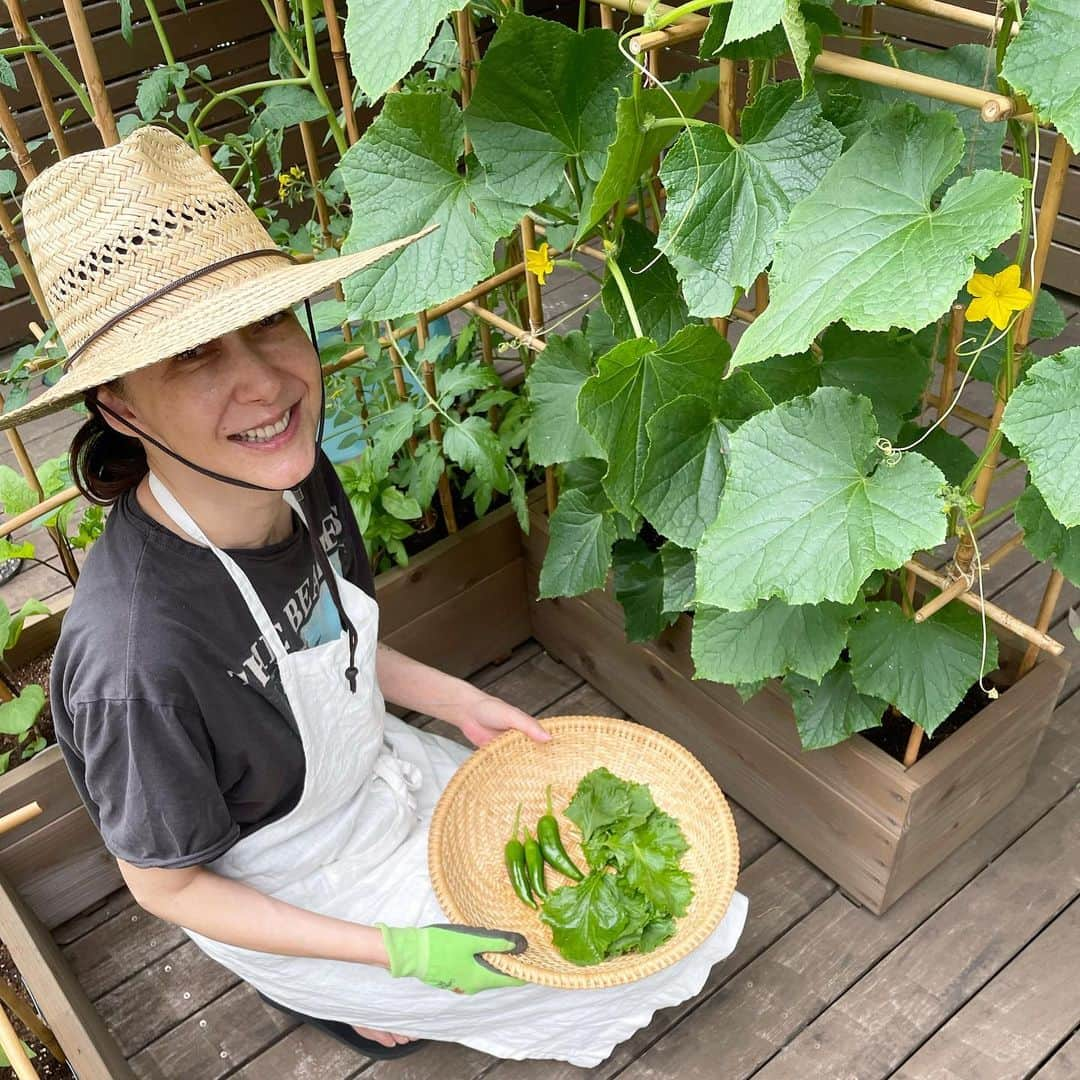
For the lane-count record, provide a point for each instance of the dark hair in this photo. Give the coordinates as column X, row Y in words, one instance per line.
column 104, row 463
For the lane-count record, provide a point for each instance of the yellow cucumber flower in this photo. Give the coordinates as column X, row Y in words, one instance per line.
column 997, row 297
column 539, row 262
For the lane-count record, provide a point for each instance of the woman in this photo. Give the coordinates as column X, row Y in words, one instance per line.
column 218, row 686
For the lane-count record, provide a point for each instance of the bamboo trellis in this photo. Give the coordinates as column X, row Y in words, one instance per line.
column 477, row 300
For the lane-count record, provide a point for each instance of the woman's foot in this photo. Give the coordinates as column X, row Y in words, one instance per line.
column 384, row 1038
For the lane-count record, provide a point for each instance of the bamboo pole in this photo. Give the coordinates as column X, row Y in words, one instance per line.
column 33, row 65
column 993, row 612
column 25, row 813
column 340, row 57
column 728, row 76
column 7, row 227
column 16, row 1055
column 948, row 374
column 427, row 370
column 866, row 22
column 516, row 333
column 30, row 1020
column 607, row 17
column 532, row 285
column 463, row 26
column 999, row 553
column 1042, row 620
column 91, row 71
column 951, row 12
column 51, row 503
column 16, row 144
column 992, row 107
column 936, row 603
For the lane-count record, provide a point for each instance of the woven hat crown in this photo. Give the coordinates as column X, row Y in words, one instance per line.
column 109, row 227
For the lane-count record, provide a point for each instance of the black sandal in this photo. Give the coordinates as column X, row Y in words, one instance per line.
column 344, row 1033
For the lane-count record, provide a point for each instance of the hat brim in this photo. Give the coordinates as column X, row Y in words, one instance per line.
column 195, row 313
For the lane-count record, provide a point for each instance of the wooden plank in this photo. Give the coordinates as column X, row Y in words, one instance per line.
column 783, row 888
column 67, row 933
column 1007, row 1029
column 470, row 630
column 213, row 1042
column 305, row 1054
column 436, row 1061
column 63, row 1003
column 162, row 995
column 1065, row 1064
column 44, row 779
column 923, row 981
column 795, row 981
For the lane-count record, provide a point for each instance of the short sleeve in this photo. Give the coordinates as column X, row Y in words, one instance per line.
column 146, row 774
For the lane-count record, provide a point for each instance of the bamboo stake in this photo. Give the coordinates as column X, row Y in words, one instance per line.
column 16, row 144
column 948, row 374
column 532, row 285
column 7, row 227
column 1042, row 621
column 341, row 67
column 427, row 369
column 397, row 366
column 761, row 293
column 728, row 75
column 936, row 603
column 487, row 351
column 866, row 22
column 515, row 333
column 607, row 17
column 51, row 503
column 914, row 745
column 991, row 106
column 16, row 1055
column 1001, row 552
column 993, row 612
column 959, row 15
column 19, row 817
column 91, row 71
column 33, row 65
column 463, row 25
column 30, row 1020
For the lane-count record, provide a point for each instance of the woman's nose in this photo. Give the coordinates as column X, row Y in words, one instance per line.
column 253, row 376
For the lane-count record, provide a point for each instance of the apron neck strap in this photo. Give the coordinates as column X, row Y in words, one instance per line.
column 171, row 505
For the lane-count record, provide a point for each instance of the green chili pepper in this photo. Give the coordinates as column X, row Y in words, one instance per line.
column 547, row 833
column 534, row 865
column 514, row 854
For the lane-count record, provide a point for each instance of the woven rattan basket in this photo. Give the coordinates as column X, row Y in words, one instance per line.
column 475, row 814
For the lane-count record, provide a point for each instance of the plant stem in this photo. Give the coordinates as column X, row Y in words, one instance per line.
column 239, row 91
column 281, row 33
column 581, row 16
column 1001, row 511
column 653, row 204
column 757, row 77
column 315, row 79
column 170, row 59
column 62, row 69
column 675, row 121
column 677, row 13
column 624, row 291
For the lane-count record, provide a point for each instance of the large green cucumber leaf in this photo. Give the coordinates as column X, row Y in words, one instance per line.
column 684, row 467
column 924, row 669
column 553, row 383
column 831, row 710
column 380, row 57
column 1045, row 537
column 809, row 508
column 405, row 174
column 652, row 284
column 1042, row 420
column 579, row 550
column 887, row 369
column 787, row 377
column 544, row 96
column 869, row 247
column 753, row 18
column 725, row 205
column 1043, row 63
column 633, row 382
column 635, row 146
column 639, row 587
column 715, row 41
column 772, row 639
column 678, row 566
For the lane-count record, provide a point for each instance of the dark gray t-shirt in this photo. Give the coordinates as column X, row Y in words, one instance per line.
column 165, row 699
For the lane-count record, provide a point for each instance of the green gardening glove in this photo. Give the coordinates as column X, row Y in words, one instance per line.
column 448, row 956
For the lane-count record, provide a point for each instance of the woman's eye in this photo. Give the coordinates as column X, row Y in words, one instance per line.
column 275, row 319
column 189, row 354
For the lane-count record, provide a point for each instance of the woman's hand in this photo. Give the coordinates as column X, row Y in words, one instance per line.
column 485, row 717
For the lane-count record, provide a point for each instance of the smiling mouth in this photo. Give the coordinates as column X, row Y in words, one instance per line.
column 266, row 433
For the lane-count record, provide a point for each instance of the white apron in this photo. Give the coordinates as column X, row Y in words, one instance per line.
column 355, row 847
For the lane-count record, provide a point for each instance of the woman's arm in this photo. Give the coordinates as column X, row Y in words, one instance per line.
column 226, row 910
column 424, row 689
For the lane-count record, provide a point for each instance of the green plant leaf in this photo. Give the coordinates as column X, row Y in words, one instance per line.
column 603, row 799
column 632, row 382
column 639, row 587
column 404, row 172
column 16, row 495
column 24, row 550
column 772, row 639
column 585, row 919
column 787, row 377
column 385, row 38
column 399, row 505
column 924, row 669
column 754, row 18
column 1042, row 63
column 678, row 566
column 18, row 716
column 869, row 247
column 1045, row 537
column 553, row 383
column 1041, row 420
column 891, row 372
column 832, row 710
column 655, row 291
column 472, row 444
column 636, row 146
column 810, row 509
column 7, row 75
column 11, row 624
column 153, row 91
column 726, row 203
column 285, row 106
column 579, row 552
column 544, row 96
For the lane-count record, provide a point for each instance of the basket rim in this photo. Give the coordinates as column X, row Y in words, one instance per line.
column 618, row 970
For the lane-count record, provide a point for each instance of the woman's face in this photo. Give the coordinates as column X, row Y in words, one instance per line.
column 245, row 404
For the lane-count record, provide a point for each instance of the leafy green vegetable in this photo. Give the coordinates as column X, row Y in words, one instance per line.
column 587, row 918
column 829, row 711
column 554, row 381
column 579, row 553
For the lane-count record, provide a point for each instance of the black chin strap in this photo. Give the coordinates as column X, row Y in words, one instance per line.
column 308, row 493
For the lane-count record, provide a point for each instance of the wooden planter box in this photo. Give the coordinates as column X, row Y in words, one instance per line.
column 459, row 605
column 873, row 826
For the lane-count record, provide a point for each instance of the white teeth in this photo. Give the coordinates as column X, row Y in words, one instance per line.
column 261, row 434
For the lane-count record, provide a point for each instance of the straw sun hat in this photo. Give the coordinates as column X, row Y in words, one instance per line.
column 113, row 231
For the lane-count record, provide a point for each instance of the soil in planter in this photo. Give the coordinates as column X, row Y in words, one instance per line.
column 34, row 671
column 892, row 735
column 46, row 1065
